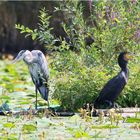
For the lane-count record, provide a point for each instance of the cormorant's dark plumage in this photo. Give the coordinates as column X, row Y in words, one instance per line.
column 113, row 88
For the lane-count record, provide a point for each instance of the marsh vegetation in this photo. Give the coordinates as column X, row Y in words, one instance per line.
column 77, row 73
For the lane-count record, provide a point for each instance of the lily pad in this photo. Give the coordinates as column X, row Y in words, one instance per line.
column 29, row 128
column 9, row 125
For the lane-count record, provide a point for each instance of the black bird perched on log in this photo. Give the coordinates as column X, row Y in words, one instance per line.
column 38, row 68
column 113, row 88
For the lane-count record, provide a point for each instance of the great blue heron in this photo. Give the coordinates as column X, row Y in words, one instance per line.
column 38, row 68
column 113, row 88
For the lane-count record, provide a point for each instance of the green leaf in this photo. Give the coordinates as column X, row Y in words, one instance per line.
column 34, row 36
column 27, row 35
column 29, row 128
column 5, row 97
column 80, row 133
column 9, row 125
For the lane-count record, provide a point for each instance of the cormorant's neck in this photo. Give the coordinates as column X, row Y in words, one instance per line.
column 123, row 66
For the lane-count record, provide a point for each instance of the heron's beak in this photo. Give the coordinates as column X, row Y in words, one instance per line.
column 18, row 58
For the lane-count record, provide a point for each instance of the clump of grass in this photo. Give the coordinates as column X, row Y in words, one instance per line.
column 133, row 120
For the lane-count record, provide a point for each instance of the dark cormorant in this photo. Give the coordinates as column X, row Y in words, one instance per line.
column 113, row 87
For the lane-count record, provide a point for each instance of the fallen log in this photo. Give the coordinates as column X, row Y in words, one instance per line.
column 46, row 111
column 124, row 111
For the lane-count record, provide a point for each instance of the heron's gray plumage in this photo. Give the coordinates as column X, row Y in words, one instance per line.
column 38, row 68
column 40, row 73
column 42, row 63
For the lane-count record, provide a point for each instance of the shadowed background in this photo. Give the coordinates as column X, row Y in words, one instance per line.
column 26, row 13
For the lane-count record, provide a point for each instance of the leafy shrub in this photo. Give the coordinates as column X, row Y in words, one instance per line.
column 131, row 93
column 78, row 83
column 80, row 75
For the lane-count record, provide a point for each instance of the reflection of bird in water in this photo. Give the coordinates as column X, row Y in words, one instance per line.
column 113, row 88
column 38, row 68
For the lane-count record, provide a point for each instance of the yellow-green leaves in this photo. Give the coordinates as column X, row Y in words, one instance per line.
column 9, row 125
column 28, row 128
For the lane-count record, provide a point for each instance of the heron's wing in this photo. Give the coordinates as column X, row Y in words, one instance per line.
column 42, row 62
column 34, row 81
column 44, row 91
column 42, row 88
column 43, row 65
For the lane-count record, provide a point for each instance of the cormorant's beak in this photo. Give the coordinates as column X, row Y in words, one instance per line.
column 129, row 56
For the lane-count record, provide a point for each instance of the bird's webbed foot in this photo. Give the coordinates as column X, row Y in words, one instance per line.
column 105, row 105
column 108, row 104
column 115, row 105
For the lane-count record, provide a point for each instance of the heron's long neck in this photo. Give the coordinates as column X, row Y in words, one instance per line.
column 28, row 61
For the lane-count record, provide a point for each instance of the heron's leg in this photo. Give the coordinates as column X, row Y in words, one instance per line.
column 48, row 104
column 36, row 98
column 47, row 95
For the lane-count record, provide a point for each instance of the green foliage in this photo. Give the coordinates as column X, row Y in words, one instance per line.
column 80, row 75
column 83, row 75
column 79, row 133
column 133, row 120
column 62, row 127
column 131, row 93
column 42, row 34
column 77, row 84
column 9, row 125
